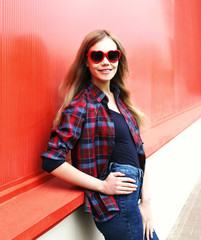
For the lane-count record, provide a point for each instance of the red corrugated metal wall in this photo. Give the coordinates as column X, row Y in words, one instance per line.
column 39, row 40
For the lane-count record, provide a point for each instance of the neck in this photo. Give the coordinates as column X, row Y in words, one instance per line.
column 104, row 86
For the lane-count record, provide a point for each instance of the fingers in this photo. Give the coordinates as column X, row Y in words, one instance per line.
column 147, row 221
column 122, row 178
column 126, row 179
column 117, row 174
column 123, row 190
column 125, row 185
column 144, row 229
column 148, row 231
column 116, row 183
column 151, row 232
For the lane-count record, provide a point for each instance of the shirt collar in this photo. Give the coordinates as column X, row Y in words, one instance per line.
column 100, row 95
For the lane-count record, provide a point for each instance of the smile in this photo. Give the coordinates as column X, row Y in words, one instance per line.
column 105, row 71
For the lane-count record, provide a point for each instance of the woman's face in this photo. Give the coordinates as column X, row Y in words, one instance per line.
column 105, row 70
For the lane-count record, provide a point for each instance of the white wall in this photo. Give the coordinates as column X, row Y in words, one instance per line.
column 173, row 172
column 77, row 226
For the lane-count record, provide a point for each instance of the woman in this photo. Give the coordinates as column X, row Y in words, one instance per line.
column 98, row 123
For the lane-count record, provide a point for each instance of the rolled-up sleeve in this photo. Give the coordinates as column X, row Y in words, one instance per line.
column 64, row 137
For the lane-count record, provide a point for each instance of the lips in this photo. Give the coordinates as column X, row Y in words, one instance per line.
column 105, row 71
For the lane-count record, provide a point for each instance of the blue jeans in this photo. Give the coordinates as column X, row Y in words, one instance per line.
column 127, row 224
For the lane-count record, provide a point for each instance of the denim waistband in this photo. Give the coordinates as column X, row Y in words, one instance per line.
column 126, row 169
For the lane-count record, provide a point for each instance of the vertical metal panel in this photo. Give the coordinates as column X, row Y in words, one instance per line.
column 187, row 49
column 39, row 40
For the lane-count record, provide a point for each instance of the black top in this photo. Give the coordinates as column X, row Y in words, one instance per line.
column 124, row 151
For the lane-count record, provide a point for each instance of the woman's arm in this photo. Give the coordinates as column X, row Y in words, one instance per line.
column 145, row 208
column 114, row 184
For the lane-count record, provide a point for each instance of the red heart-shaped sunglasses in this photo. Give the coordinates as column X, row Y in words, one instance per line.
column 97, row 56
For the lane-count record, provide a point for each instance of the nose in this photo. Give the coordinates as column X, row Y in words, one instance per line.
column 105, row 61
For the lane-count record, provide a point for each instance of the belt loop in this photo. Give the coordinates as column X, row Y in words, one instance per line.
column 140, row 174
column 110, row 166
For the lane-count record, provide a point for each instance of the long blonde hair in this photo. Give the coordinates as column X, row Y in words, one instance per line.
column 79, row 76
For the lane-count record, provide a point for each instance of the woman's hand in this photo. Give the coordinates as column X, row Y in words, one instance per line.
column 145, row 210
column 117, row 183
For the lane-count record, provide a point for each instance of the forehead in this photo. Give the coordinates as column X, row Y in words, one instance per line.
column 104, row 45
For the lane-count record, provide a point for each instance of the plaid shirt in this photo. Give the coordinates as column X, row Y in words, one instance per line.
column 87, row 129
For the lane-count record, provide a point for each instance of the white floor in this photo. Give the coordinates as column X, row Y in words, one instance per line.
column 173, row 172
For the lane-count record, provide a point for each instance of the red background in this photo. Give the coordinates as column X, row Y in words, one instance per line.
column 39, row 40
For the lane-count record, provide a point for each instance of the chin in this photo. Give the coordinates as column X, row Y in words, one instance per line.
column 106, row 78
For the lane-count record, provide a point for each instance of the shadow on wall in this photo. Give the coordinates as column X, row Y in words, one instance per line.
column 25, row 93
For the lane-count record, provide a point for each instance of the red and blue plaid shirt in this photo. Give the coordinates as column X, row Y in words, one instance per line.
column 87, row 129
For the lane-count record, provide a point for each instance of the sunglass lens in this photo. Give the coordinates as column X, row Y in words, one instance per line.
column 113, row 56
column 96, row 56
